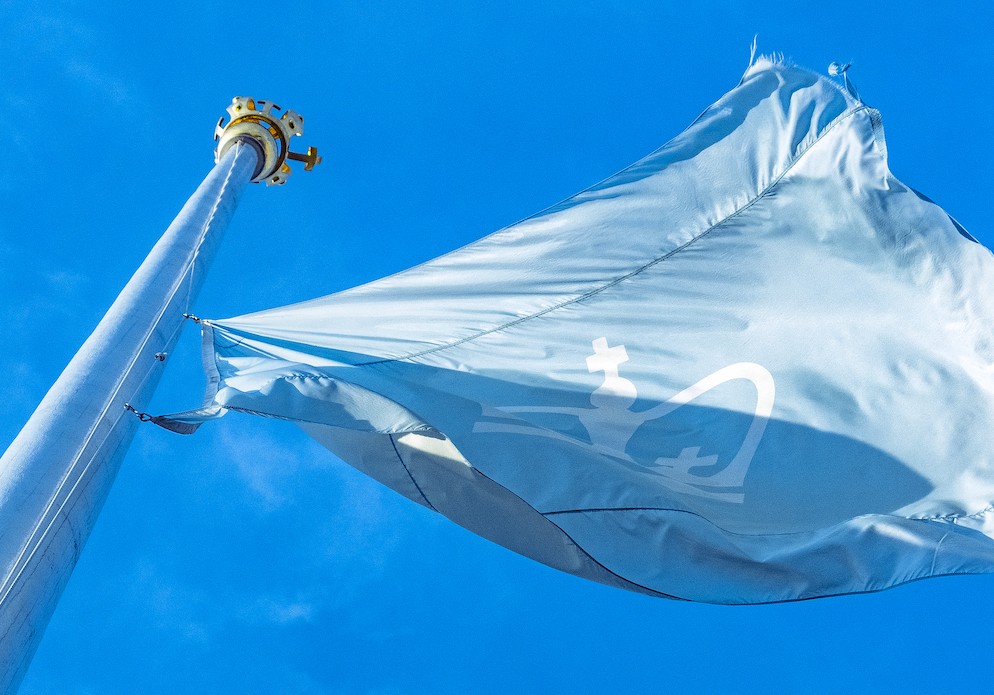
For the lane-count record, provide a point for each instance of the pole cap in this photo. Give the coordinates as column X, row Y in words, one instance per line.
column 260, row 123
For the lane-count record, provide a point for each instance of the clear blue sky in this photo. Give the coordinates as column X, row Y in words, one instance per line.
column 246, row 558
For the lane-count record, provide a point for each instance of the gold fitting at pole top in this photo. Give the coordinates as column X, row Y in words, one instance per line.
column 260, row 122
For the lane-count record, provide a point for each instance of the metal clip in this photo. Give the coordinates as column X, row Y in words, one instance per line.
column 144, row 417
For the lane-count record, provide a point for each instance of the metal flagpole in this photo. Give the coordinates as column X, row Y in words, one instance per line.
column 55, row 475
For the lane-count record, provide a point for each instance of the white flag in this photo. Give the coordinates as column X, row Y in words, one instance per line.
column 751, row 367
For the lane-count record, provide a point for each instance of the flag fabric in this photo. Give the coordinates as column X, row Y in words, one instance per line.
column 751, row 367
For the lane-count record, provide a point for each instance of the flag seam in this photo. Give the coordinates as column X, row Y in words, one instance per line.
column 598, row 563
column 410, row 475
column 735, row 533
column 586, row 295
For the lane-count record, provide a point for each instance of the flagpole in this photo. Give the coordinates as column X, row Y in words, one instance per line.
column 56, row 474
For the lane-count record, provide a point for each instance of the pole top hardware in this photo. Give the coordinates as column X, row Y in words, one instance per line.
column 254, row 120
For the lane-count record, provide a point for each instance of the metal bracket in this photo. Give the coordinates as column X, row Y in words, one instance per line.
column 254, row 120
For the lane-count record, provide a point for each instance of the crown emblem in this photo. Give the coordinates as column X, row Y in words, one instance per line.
column 611, row 423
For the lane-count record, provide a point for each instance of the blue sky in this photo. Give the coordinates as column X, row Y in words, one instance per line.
column 246, row 558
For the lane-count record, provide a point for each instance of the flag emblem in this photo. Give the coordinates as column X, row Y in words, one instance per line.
column 611, row 423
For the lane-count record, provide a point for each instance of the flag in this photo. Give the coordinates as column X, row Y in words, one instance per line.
column 751, row 367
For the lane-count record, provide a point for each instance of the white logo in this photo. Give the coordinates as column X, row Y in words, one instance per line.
column 611, row 423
